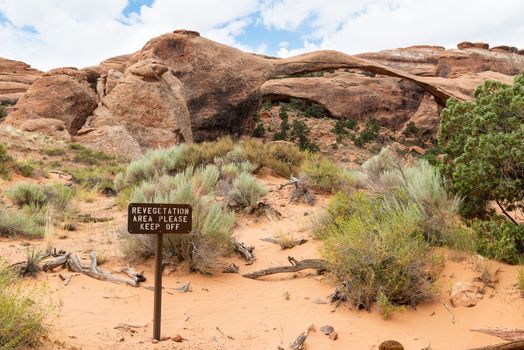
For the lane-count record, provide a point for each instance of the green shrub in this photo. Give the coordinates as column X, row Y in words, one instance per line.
column 230, row 171
column 315, row 110
column 321, row 173
column 16, row 223
column 21, row 317
column 283, row 158
column 26, row 168
column 259, row 130
column 246, row 191
column 374, row 248
column 411, row 129
column 370, row 133
column 211, row 235
column 300, row 133
column 5, row 162
column 342, row 127
column 206, row 179
column 500, row 239
column 266, row 106
column 297, row 104
column 27, row 193
column 282, row 134
column 98, row 178
column 483, row 150
column 3, row 112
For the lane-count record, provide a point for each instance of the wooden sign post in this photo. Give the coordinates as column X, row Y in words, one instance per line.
column 158, row 219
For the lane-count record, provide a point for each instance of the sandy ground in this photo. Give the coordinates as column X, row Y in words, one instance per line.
column 227, row 311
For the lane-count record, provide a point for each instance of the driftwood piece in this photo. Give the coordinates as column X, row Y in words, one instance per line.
column 72, row 262
column 300, row 191
column 316, row 264
column 504, row 334
column 285, row 244
column 133, row 274
column 245, row 251
column 514, row 345
column 231, row 268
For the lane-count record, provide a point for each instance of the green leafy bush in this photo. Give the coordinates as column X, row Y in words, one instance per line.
column 315, row 110
column 26, row 168
column 321, row 173
column 246, row 191
column 411, row 129
column 500, row 239
column 27, row 193
column 88, row 156
column 300, row 133
column 21, row 316
column 370, row 133
column 97, row 178
column 375, row 249
column 266, row 106
column 483, row 150
column 53, row 152
column 282, row 134
column 259, row 130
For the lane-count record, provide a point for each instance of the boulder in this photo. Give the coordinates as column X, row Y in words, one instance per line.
column 505, row 49
column 390, row 345
column 113, row 139
column 426, row 117
column 469, row 45
column 150, row 103
column 63, row 94
column 466, row 294
column 51, row 127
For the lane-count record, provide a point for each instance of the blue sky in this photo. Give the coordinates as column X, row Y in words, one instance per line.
column 54, row 33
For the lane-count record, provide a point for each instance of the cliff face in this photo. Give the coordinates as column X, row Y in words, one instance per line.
column 183, row 87
column 15, row 79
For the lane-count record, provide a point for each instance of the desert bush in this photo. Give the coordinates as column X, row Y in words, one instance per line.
column 211, row 235
column 300, row 132
column 283, row 158
column 5, row 162
column 97, row 178
column 419, row 184
column 266, row 106
column 321, row 173
column 21, row 316
column 370, row 133
column 500, row 239
column 374, row 248
column 342, row 127
column 246, row 191
column 205, row 179
column 16, row 223
column 230, row 171
column 282, row 134
column 315, row 110
column 3, row 113
column 410, row 130
column 53, row 152
column 26, row 168
column 27, row 193
column 259, row 130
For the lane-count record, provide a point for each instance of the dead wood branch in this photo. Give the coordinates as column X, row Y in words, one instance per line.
column 72, row 262
column 504, row 334
column 245, row 251
column 133, row 274
column 515, row 345
column 315, row 264
column 300, row 191
column 283, row 243
column 231, row 268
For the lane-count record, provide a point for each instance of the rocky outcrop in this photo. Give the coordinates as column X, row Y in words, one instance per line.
column 352, row 95
column 150, row 103
column 183, row 87
column 221, row 82
column 15, row 79
column 62, row 94
column 466, row 294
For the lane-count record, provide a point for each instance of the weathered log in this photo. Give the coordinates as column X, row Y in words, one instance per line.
column 514, row 345
column 504, row 334
column 285, row 244
column 316, row 264
column 133, row 274
column 245, row 251
column 72, row 262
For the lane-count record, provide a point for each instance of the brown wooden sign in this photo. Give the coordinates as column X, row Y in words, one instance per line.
column 159, row 219
column 153, row 218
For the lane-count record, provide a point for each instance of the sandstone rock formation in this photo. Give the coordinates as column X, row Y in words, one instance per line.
column 62, row 94
column 466, row 294
column 183, row 87
column 15, row 78
column 150, row 103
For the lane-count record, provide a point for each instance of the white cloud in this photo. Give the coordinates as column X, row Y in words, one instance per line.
column 82, row 33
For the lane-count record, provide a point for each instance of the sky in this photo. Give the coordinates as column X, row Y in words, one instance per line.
column 80, row 33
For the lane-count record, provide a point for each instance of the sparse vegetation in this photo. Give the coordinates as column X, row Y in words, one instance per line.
column 300, row 132
column 53, row 152
column 321, row 173
column 520, row 280
column 342, row 129
column 5, row 162
column 282, row 134
column 21, row 316
column 26, row 168
column 27, row 193
column 411, row 129
column 266, row 106
column 259, row 130
column 88, row 156
column 315, row 110
column 500, row 239
column 246, row 191
column 370, row 133
column 15, row 223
